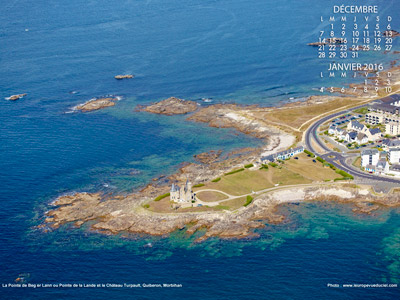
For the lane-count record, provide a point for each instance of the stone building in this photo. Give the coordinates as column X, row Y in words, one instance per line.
column 183, row 194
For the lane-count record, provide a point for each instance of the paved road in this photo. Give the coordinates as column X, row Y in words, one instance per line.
column 337, row 159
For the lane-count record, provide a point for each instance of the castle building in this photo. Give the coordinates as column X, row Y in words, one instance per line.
column 183, row 194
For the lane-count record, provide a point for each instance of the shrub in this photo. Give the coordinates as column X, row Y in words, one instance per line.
column 344, row 174
column 272, row 164
column 249, row 199
column 198, row 185
column 249, row 166
column 161, row 197
column 320, row 159
column 216, row 179
column 146, row 206
column 263, row 166
column 309, row 153
column 234, row 171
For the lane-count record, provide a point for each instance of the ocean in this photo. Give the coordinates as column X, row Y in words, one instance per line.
column 64, row 53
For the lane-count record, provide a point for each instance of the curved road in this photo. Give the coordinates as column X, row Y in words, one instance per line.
column 332, row 157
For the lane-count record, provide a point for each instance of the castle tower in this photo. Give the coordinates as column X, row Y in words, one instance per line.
column 188, row 191
column 175, row 193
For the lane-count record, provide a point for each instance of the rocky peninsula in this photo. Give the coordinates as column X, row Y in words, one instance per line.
column 126, row 214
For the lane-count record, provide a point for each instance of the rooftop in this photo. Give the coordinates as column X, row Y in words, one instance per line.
column 370, row 152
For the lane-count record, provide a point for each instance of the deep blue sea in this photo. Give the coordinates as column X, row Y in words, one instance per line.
column 63, row 53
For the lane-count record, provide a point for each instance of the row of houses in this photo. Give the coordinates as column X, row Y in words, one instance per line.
column 355, row 133
column 282, row 155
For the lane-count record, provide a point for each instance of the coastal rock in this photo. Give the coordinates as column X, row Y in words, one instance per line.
column 128, row 76
column 391, row 33
column 328, row 41
column 15, row 97
column 234, row 116
column 169, row 107
column 96, row 104
column 208, row 157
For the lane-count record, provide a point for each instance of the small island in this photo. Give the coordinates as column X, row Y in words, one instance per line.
column 16, row 97
column 127, row 76
column 96, row 104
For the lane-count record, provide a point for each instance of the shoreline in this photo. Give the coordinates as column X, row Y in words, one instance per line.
column 114, row 214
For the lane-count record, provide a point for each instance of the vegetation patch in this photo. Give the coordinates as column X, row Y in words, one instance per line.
column 199, row 185
column 272, row 164
column 345, row 175
column 146, row 206
column 216, row 179
column 249, row 199
column 362, row 110
column 309, row 153
column 264, row 167
column 249, row 166
column 161, row 197
column 235, row 171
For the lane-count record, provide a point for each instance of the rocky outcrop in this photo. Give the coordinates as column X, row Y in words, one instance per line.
column 119, row 77
column 234, row 116
column 169, row 107
column 96, row 104
column 208, row 157
column 15, row 97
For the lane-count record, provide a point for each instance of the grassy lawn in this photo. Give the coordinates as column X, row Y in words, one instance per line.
column 296, row 116
column 357, row 162
column 362, row 110
column 309, row 170
column 242, row 183
column 285, row 176
column 234, row 203
column 210, row 196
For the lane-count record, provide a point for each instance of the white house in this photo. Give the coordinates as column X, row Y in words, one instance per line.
column 394, row 155
column 351, row 136
column 369, row 157
column 374, row 134
column 361, row 138
column 332, row 129
column 356, row 126
column 382, row 166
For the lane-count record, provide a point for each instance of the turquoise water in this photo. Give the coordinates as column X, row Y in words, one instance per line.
column 229, row 51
